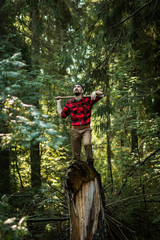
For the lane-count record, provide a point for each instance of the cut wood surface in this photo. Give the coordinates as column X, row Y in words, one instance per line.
column 85, row 200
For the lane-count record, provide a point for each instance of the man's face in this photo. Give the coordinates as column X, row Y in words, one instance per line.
column 77, row 90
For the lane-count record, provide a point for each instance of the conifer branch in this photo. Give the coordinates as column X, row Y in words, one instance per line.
column 102, row 9
column 141, row 27
column 134, row 13
column 116, row 42
column 2, row 4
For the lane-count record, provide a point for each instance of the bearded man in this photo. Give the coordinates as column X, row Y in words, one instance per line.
column 79, row 108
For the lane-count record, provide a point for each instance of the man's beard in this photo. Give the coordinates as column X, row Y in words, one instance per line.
column 77, row 93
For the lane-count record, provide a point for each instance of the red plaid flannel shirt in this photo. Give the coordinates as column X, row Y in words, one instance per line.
column 80, row 110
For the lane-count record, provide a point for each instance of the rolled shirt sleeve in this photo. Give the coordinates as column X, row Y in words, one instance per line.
column 65, row 112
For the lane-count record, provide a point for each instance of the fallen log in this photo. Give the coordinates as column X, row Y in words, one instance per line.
column 86, row 203
column 47, row 220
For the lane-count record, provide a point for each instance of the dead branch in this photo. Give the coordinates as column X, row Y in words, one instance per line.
column 29, row 195
column 17, row 167
column 136, row 168
column 141, row 27
column 134, row 13
column 101, row 10
column 108, row 55
column 118, row 223
column 2, row 4
column 47, row 220
column 130, row 198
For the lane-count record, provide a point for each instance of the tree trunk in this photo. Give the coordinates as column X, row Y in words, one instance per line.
column 4, row 160
column 86, row 203
column 35, row 166
column 108, row 104
column 5, row 171
column 35, row 153
column 134, row 140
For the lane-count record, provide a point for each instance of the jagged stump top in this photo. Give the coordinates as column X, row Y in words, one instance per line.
column 78, row 174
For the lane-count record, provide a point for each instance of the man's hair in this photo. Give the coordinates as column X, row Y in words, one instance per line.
column 79, row 84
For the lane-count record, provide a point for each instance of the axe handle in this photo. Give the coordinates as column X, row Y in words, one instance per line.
column 69, row 97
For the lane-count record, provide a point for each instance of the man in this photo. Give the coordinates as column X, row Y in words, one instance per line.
column 79, row 108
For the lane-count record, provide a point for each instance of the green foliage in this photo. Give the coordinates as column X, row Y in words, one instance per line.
column 109, row 45
column 10, row 227
column 26, row 122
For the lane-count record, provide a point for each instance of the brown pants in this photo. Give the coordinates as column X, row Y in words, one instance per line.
column 77, row 136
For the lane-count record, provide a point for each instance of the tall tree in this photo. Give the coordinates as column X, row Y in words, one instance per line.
column 4, row 84
column 35, row 38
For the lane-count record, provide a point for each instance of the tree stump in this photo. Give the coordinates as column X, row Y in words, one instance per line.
column 86, row 203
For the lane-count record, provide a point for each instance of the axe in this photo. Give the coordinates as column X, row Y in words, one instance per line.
column 99, row 94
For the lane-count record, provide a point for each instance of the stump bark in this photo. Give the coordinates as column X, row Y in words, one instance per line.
column 86, row 203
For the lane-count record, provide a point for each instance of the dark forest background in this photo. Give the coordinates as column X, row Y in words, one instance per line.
column 45, row 47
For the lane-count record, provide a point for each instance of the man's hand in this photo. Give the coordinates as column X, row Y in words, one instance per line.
column 58, row 98
column 59, row 108
column 93, row 95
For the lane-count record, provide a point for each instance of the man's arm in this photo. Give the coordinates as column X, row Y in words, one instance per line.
column 95, row 94
column 59, row 107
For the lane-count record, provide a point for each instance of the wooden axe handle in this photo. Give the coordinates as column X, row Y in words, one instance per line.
column 69, row 97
